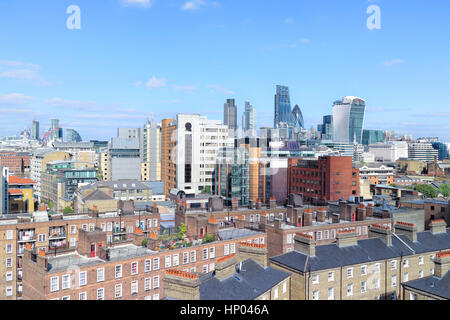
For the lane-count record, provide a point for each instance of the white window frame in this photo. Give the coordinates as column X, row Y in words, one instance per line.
column 118, row 271
column 80, row 278
column 155, row 282
column 331, row 297
column 137, row 268
column 349, row 273
column 176, row 260
column 134, row 287
column 212, row 252
column 349, row 292
column 100, row 274
column 65, row 284
column 315, row 279
column 54, row 284
column 148, row 265
column 156, row 264
column 118, row 291
column 100, row 294
column 168, row 261
column 226, row 249
column 82, row 296
column 148, row 284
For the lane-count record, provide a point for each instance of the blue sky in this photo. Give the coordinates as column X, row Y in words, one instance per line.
column 134, row 59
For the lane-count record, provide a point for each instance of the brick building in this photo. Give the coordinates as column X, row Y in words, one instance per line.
column 18, row 163
column 352, row 269
column 325, row 179
column 121, row 271
column 436, row 209
column 59, row 233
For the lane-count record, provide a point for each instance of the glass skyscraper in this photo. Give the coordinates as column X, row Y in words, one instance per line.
column 249, row 120
column 372, row 137
column 72, row 136
column 35, row 130
column 348, row 120
column 230, row 116
column 282, row 106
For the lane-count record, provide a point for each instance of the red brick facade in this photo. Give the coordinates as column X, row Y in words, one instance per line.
column 324, row 179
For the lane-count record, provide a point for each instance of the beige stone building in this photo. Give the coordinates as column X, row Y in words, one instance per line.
column 368, row 269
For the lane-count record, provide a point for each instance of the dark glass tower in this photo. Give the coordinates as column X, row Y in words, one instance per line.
column 282, row 106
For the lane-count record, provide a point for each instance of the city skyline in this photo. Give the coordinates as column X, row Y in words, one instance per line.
column 158, row 71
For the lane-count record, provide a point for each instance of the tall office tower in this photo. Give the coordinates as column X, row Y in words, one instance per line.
column 230, row 116
column 35, row 130
column 168, row 155
column 3, row 190
column 56, row 131
column 297, row 120
column 151, row 152
column 198, row 141
column 327, row 127
column 348, row 120
column 443, row 150
column 73, row 136
column 125, row 159
column 249, row 120
column 282, row 106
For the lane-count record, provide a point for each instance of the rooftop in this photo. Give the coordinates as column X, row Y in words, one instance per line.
column 436, row 286
column 366, row 251
column 248, row 283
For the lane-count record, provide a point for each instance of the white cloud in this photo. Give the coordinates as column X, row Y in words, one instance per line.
column 289, row 20
column 138, row 3
column 14, row 99
column 193, row 5
column 184, row 88
column 305, row 40
column 219, row 89
column 137, row 83
column 11, row 63
column 392, row 62
column 25, row 75
column 156, row 83
column 73, row 104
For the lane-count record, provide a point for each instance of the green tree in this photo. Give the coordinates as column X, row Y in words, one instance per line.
column 427, row 190
column 144, row 242
column 68, row 210
column 206, row 190
column 444, row 189
column 182, row 230
column 99, row 174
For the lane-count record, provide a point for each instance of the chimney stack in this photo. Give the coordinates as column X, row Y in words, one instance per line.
column 379, row 231
column 153, row 242
column 346, row 238
column 438, row 226
column 226, row 267
column 240, row 222
column 258, row 204
column 272, row 203
column 251, row 204
column 257, row 252
column 369, row 210
column 335, row 218
column 277, row 224
column 442, row 263
column 408, row 229
column 305, row 244
column 307, row 217
column 321, row 215
column 361, row 213
column 181, row 285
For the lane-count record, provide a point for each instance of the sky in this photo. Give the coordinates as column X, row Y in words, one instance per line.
column 133, row 60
